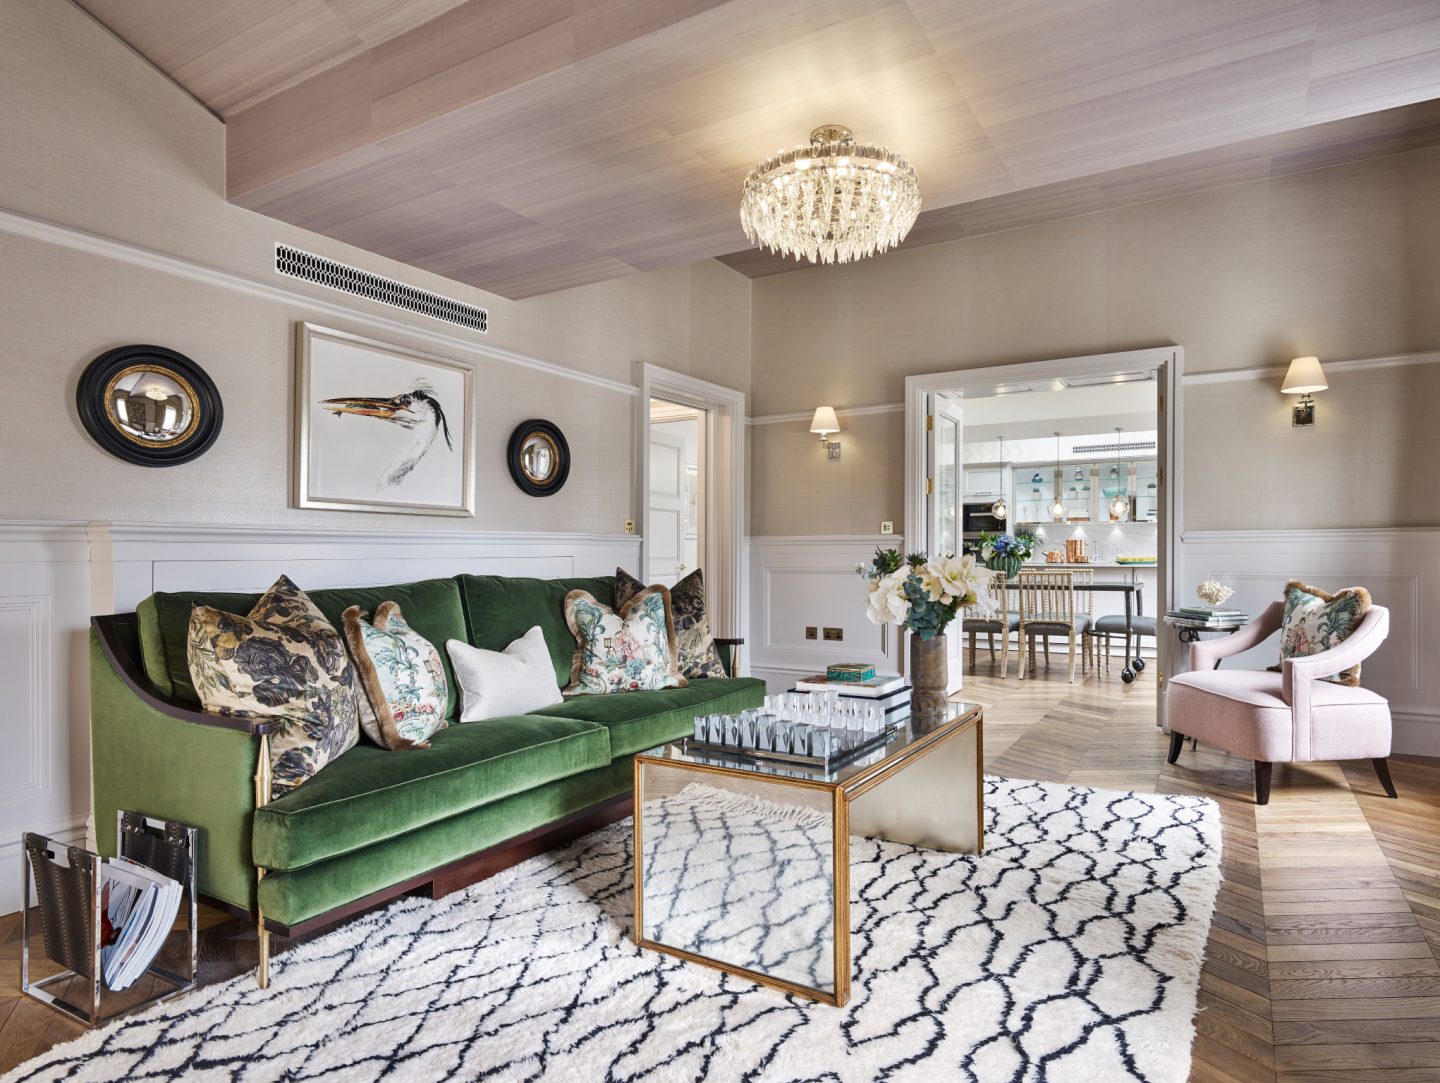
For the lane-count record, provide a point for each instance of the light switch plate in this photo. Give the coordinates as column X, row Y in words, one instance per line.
column 811, row 632
column 887, row 527
column 629, row 526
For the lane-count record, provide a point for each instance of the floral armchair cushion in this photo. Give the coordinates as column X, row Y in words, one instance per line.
column 1315, row 621
column 402, row 688
column 698, row 656
column 632, row 650
column 285, row 662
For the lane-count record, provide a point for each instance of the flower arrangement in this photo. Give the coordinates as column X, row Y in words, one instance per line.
column 1017, row 546
column 921, row 593
column 1213, row 592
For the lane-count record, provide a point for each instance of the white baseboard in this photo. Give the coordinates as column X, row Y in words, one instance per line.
column 1416, row 733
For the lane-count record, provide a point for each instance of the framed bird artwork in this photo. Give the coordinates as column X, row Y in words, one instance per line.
column 381, row 427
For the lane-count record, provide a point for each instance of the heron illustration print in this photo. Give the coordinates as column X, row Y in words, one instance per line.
column 384, row 429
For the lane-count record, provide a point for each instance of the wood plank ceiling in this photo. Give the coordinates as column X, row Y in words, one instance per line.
column 525, row 146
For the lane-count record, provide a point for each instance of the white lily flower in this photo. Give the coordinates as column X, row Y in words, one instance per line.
column 888, row 604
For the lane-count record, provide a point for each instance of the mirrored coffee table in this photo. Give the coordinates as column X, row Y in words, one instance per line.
column 743, row 864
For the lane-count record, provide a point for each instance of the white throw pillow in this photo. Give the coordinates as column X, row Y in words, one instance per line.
column 496, row 684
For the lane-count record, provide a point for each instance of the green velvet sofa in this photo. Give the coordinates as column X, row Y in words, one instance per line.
column 373, row 824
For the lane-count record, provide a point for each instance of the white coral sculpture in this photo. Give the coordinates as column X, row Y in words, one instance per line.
column 1213, row 592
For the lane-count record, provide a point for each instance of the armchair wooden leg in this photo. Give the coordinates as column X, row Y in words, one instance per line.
column 1177, row 742
column 1262, row 782
column 1382, row 769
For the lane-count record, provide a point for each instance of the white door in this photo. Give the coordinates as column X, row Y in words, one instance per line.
column 944, row 491
column 665, row 518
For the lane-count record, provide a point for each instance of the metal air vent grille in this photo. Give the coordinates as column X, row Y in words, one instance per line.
column 1111, row 448
column 308, row 267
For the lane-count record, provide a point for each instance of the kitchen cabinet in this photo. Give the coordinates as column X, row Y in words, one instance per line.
column 1086, row 488
column 983, row 481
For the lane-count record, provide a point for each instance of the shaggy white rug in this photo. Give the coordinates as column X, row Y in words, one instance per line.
column 1070, row 951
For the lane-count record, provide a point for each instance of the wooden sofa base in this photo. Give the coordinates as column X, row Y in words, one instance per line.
column 463, row 872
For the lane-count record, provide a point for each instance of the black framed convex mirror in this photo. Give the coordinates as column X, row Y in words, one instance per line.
column 539, row 457
column 149, row 405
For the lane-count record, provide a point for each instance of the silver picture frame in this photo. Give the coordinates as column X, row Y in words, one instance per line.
column 311, row 339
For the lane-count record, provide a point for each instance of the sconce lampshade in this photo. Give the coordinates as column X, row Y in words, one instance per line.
column 825, row 422
column 1304, row 376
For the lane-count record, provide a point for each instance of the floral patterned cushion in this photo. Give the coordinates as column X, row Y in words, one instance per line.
column 285, row 662
column 632, row 650
column 402, row 689
column 1315, row 621
column 698, row 656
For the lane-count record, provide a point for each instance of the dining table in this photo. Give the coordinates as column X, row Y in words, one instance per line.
column 1132, row 589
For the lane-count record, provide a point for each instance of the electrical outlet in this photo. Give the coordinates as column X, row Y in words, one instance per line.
column 629, row 526
column 834, row 635
column 887, row 527
column 811, row 632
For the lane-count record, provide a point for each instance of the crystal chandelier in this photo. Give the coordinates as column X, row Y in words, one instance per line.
column 831, row 202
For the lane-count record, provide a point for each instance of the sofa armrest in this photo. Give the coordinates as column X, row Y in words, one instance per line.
column 1207, row 654
column 108, row 633
column 151, row 756
column 730, row 654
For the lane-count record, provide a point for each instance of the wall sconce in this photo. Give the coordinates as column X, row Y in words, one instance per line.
column 1303, row 378
column 825, row 422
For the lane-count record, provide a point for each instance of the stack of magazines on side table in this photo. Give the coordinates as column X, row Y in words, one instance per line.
column 1203, row 615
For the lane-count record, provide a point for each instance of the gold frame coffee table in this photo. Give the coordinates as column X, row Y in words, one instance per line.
column 723, row 908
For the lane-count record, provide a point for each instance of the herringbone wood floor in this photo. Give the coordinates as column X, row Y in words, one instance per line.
column 1322, row 963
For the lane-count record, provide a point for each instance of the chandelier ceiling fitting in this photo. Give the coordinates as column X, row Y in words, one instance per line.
column 831, row 202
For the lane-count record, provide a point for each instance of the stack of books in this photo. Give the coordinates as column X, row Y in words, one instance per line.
column 887, row 689
column 1207, row 614
column 139, row 908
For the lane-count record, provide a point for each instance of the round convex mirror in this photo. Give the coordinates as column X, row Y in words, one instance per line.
column 149, row 405
column 539, row 457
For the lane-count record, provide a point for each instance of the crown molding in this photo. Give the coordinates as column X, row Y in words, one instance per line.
column 843, row 411
column 1277, row 372
column 39, row 229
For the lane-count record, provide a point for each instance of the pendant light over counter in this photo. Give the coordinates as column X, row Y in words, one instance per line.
column 1120, row 502
column 1000, row 509
column 1058, row 511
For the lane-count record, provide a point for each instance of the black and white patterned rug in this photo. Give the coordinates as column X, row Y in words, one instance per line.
column 1070, row 951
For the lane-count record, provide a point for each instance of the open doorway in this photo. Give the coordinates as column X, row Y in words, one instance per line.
column 675, row 492
column 689, row 486
column 1079, row 454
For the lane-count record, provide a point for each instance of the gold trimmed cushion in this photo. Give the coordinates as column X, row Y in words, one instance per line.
column 698, row 655
column 1316, row 621
column 632, row 650
column 283, row 662
column 401, row 691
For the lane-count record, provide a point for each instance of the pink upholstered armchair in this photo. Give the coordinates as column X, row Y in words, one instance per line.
column 1288, row 717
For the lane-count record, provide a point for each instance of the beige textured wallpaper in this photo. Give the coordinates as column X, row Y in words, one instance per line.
column 96, row 139
column 1342, row 263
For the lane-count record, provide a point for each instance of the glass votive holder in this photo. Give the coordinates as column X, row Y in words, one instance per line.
column 822, row 742
column 747, row 731
column 784, row 730
column 702, row 727
column 715, row 728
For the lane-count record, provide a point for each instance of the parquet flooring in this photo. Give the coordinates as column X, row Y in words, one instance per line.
column 1323, row 964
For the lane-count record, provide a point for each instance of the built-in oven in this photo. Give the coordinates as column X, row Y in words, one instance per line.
column 979, row 519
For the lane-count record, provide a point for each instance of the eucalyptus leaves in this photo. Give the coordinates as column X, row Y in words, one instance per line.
column 921, row 593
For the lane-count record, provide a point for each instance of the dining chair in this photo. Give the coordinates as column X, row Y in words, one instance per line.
column 1048, row 607
column 1294, row 716
column 1113, row 624
column 1003, row 622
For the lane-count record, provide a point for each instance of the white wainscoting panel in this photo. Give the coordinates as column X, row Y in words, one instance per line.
column 45, row 727
column 54, row 575
column 795, row 582
column 1401, row 570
